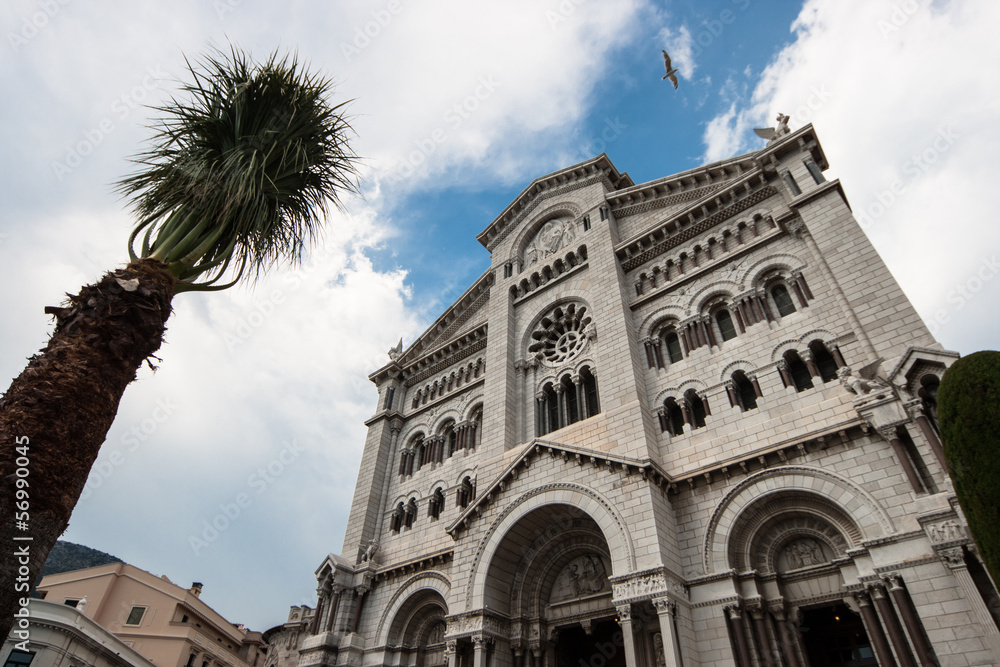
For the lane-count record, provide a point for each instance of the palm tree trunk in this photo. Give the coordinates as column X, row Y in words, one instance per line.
column 56, row 414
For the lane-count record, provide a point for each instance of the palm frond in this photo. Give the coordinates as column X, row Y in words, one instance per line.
column 242, row 169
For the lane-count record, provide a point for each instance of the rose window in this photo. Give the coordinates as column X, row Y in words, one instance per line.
column 561, row 335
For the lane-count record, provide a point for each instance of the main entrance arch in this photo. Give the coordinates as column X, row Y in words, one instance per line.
column 545, row 596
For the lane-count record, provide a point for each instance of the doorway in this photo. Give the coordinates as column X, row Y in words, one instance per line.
column 835, row 636
column 603, row 647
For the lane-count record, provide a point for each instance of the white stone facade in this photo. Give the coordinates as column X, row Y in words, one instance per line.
column 687, row 422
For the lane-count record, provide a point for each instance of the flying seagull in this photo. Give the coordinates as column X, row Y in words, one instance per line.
column 671, row 73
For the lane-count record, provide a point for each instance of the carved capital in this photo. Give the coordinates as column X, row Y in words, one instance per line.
column 624, row 613
column 734, row 612
column 450, row 647
column 953, row 557
column 665, row 606
column 914, row 408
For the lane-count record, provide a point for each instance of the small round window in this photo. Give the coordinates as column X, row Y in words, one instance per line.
column 561, row 335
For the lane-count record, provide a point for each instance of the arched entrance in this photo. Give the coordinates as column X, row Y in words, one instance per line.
column 549, row 577
column 416, row 634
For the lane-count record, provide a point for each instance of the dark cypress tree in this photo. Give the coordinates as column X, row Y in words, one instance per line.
column 969, row 415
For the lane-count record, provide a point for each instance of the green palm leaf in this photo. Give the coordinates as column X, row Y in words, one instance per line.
column 241, row 173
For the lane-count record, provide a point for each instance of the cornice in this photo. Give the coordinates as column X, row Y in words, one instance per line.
column 692, row 221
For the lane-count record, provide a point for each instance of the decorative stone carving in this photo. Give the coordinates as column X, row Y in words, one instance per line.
column 582, row 576
column 562, row 334
column 953, row 557
column 624, row 613
column 803, row 553
column 863, row 387
column 369, row 555
column 637, row 587
column 552, row 237
column 946, row 531
column 661, row 658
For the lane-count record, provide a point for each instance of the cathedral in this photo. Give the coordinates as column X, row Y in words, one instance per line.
column 684, row 422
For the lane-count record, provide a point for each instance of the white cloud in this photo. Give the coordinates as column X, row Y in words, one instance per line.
column 906, row 110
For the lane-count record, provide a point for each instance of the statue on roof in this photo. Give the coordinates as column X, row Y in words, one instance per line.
column 774, row 133
column 396, row 352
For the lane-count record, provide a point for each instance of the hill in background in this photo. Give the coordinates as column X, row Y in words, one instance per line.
column 66, row 556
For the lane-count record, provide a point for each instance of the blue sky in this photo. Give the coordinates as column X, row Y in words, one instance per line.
column 264, row 391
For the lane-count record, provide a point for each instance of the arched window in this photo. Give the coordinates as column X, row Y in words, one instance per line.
column 744, row 391
column 396, row 521
column 672, row 417
column 797, row 370
column 672, row 344
column 591, row 405
column 928, row 393
column 410, row 513
column 436, row 504
column 698, row 408
column 782, row 300
column 466, row 492
column 726, row 327
column 825, row 363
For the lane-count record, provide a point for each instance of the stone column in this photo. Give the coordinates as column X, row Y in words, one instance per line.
column 317, row 622
column 581, row 401
column 735, row 615
column 536, row 656
column 625, row 620
column 540, row 407
column 479, row 651
column 334, row 605
column 561, row 403
column 890, row 436
column 450, row 649
column 789, row 642
column 915, row 409
column 764, row 645
column 874, row 629
column 665, row 610
column 891, row 621
column 356, row 614
column 521, row 427
column 925, row 653
column 954, row 558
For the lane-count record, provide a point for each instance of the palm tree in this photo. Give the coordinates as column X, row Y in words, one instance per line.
column 238, row 178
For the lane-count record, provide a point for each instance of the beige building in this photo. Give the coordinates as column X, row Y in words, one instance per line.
column 59, row 635
column 683, row 422
column 168, row 625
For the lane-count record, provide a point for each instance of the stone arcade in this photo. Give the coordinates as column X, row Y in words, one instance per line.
column 685, row 422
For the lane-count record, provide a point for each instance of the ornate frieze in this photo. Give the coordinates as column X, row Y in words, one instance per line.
column 646, row 585
column 477, row 624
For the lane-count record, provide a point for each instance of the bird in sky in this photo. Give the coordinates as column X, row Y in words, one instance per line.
column 671, row 73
